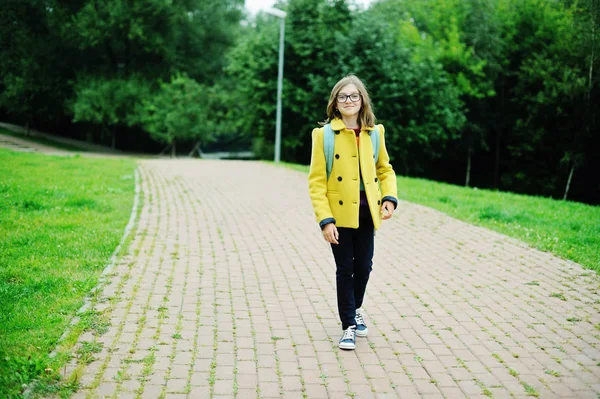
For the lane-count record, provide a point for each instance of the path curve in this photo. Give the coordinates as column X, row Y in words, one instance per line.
column 228, row 290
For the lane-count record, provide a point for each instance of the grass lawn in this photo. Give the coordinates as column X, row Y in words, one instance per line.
column 60, row 220
column 567, row 229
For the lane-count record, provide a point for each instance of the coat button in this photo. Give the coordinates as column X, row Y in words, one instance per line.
column 337, row 156
column 378, row 202
column 375, row 180
column 339, row 178
column 341, row 202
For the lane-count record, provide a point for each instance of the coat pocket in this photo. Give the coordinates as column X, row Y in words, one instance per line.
column 335, row 201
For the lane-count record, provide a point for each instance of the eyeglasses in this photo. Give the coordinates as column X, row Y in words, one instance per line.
column 342, row 98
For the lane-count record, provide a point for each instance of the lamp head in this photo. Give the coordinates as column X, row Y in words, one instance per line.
column 276, row 12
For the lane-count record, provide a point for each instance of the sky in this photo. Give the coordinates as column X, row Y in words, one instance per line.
column 255, row 5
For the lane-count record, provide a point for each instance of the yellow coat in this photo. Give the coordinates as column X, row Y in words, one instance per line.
column 339, row 197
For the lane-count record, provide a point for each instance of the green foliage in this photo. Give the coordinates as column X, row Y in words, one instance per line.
column 312, row 28
column 33, row 75
column 154, row 38
column 517, row 65
column 18, row 371
column 399, row 94
column 109, row 102
column 94, row 62
column 143, row 43
column 547, row 92
column 59, row 229
column 177, row 111
column 439, row 29
column 251, row 65
column 326, row 36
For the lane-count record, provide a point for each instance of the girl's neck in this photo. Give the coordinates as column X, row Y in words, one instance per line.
column 351, row 123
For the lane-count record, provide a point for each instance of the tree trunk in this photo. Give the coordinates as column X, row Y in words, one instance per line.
column 127, row 52
column 406, row 168
column 27, row 129
column 591, row 71
column 105, row 132
column 569, row 181
column 173, row 149
column 191, row 154
column 165, row 149
column 498, row 141
column 113, row 139
column 497, row 160
column 468, row 177
column 111, row 57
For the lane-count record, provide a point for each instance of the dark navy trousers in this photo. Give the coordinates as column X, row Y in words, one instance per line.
column 354, row 262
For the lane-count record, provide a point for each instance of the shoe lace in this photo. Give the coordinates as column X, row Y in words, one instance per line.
column 359, row 319
column 349, row 333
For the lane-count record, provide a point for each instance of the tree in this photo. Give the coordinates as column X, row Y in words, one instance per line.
column 312, row 29
column 54, row 52
column 548, row 95
column 34, row 74
column 461, row 36
column 412, row 94
column 324, row 42
column 586, row 15
column 129, row 47
column 176, row 112
column 109, row 103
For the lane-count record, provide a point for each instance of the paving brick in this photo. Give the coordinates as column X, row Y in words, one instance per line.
column 267, row 374
column 336, row 385
column 177, row 385
column 269, row 389
column 469, row 387
column 243, row 393
column 151, row 392
column 291, row 383
column 316, row 391
column 223, row 387
column 362, row 391
column 426, row 387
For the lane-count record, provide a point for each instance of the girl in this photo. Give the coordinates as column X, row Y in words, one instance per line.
column 351, row 202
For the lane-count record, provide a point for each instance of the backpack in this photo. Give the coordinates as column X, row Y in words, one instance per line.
column 328, row 143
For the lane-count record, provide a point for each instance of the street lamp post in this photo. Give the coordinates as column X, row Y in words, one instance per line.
column 281, row 15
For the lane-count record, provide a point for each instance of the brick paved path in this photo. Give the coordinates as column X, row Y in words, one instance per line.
column 23, row 145
column 228, row 290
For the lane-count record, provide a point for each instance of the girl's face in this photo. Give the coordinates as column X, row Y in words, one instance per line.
column 349, row 101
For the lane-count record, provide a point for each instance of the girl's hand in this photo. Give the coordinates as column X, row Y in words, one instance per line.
column 387, row 210
column 330, row 233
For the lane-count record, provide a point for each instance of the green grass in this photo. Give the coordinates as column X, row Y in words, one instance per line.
column 44, row 141
column 60, row 220
column 567, row 229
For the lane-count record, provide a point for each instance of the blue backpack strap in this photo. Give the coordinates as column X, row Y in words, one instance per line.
column 328, row 142
column 375, row 142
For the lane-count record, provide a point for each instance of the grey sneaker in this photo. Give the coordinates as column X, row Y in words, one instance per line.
column 348, row 340
column 361, row 328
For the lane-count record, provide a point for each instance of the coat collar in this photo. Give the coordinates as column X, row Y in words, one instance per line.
column 338, row 124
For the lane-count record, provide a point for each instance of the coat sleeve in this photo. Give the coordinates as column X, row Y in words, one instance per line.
column 317, row 179
column 385, row 172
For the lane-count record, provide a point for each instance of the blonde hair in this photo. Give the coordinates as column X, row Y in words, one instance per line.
column 366, row 117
